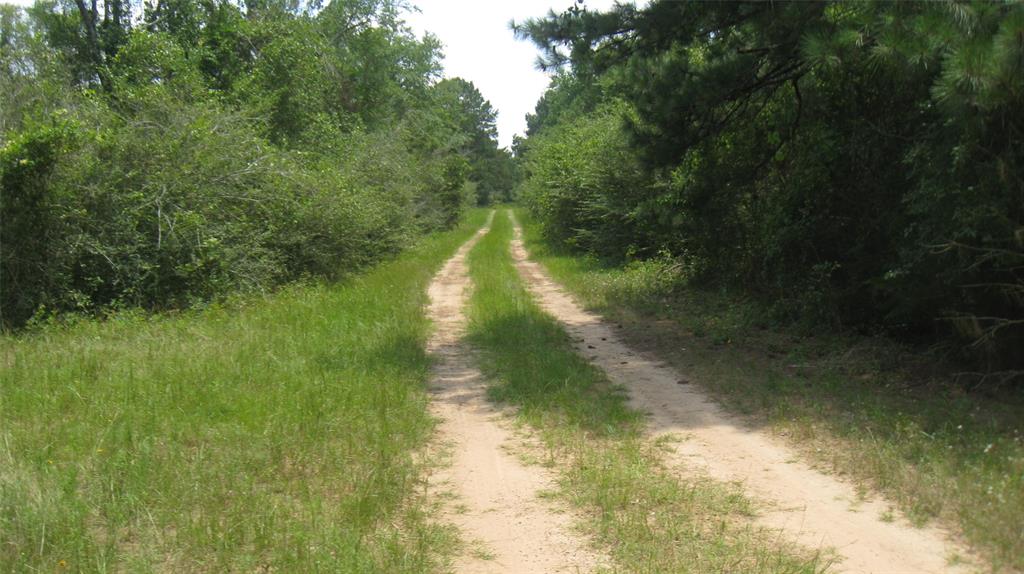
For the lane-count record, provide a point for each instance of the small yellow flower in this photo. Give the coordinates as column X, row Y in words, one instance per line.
column 62, row 563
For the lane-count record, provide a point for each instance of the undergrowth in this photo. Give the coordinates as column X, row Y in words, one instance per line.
column 272, row 434
column 890, row 417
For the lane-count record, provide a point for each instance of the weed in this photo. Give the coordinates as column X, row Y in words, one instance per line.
column 275, row 433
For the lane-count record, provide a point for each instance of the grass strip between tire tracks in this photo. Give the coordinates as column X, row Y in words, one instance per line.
column 652, row 522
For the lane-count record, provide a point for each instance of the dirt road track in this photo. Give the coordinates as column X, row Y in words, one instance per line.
column 508, row 528
column 811, row 508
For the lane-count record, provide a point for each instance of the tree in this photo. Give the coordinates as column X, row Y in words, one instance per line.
column 208, row 146
column 830, row 157
column 490, row 167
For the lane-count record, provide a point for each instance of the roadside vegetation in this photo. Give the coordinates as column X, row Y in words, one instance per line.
column 651, row 520
column 884, row 415
column 817, row 210
column 270, row 433
column 159, row 155
column 857, row 166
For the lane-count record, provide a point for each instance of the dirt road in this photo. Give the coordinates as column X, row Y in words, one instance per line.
column 496, row 507
column 811, row 508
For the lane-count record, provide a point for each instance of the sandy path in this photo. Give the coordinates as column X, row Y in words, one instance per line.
column 508, row 528
column 811, row 508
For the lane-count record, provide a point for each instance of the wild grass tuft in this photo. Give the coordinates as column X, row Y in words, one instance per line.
column 273, row 434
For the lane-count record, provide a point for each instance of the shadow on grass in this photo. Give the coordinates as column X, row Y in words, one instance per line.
column 886, row 414
column 650, row 520
column 537, row 371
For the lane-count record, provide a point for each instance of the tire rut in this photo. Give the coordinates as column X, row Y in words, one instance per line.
column 496, row 506
column 808, row 507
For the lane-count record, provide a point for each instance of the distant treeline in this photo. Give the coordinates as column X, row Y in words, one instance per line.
column 199, row 147
column 853, row 164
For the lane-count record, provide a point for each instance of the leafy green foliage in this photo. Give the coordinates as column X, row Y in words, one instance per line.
column 582, row 177
column 852, row 164
column 207, row 147
column 491, row 168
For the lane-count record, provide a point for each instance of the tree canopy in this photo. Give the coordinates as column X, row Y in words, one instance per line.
column 168, row 153
column 855, row 164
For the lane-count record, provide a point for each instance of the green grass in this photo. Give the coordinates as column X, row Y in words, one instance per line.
column 884, row 415
column 651, row 521
column 274, row 433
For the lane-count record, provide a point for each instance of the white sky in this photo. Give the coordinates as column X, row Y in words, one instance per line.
column 480, row 47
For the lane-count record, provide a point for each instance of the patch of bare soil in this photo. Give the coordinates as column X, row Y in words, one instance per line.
column 496, row 505
column 813, row 509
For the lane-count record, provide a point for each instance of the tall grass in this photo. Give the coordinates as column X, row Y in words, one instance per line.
column 270, row 434
column 880, row 414
column 651, row 521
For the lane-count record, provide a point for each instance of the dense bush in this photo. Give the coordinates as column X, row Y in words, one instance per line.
column 210, row 148
column 853, row 164
column 179, row 204
column 585, row 183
